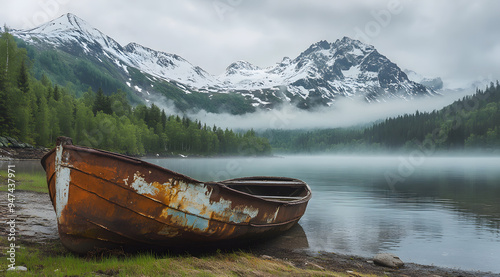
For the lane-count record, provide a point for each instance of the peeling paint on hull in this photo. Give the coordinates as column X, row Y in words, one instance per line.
column 109, row 200
column 63, row 179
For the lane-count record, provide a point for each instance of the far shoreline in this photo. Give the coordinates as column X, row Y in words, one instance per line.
column 20, row 154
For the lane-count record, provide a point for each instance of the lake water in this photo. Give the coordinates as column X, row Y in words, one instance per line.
column 442, row 211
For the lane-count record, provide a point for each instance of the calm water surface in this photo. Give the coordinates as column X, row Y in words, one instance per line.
column 443, row 211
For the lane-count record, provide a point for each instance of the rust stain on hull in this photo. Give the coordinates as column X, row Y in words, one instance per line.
column 103, row 199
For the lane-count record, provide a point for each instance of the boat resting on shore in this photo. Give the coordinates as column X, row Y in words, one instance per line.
column 108, row 200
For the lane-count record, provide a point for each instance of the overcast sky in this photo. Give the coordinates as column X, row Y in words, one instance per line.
column 458, row 40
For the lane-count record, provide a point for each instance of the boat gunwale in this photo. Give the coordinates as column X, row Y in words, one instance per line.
column 306, row 187
column 118, row 156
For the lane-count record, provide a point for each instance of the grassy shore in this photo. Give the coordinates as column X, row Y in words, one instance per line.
column 51, row 259
column 35, row 182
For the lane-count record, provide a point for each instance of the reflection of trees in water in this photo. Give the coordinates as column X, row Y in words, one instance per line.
column 367, row 233
column 473, row 194
column 24, row 166
column 385, row 218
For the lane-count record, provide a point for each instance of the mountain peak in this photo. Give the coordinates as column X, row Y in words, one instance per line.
column 133, row 46
column 72, row 17
column 432, row 82
column 323, row 44
column 285, row 61
column 241, row 65
column 348, row 40
column 63, row 23
column 344, row 45
column 353, row 46
column 69, row 29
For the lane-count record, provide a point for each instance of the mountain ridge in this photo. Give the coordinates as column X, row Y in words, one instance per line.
column 318, row 76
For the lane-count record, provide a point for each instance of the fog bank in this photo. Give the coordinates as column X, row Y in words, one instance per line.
column 344, row 113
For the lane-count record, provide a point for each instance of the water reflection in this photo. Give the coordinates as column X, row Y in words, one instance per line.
column 295, row 238
column 446, row 212
column 30, row 166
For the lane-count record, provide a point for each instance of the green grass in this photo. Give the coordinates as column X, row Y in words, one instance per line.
column 36, row 182
column 51, row 259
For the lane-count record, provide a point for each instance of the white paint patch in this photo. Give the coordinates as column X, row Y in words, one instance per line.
column 193, row 199
column 63, row 178
column 141, row 186
column 272, row 218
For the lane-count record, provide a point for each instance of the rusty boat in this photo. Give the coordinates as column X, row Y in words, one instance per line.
column 105, row 200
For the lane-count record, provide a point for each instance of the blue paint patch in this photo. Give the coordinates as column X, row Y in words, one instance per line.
column 192, row 210
column 219, row 209
column 238, row 217
column 188, row 220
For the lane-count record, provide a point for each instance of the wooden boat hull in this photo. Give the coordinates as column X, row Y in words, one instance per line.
column 107, row 200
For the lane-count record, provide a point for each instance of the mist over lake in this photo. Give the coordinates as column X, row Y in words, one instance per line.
column 442, row 211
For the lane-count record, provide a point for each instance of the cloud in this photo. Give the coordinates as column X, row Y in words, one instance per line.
column 344, row 113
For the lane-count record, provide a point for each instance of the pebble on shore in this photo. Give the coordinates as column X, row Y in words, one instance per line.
column 18, row 268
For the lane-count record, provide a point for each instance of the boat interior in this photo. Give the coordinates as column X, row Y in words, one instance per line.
column 280, row 190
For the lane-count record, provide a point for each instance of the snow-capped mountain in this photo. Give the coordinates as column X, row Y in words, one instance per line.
column 318, row 76
column 73, row 34
column 326, row 70
column 166, row 66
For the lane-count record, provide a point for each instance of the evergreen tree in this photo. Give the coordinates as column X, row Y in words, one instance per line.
column 119, row 103
column 102, row 103
column 163, row 119
column 23, row 81
column 55, row 93
column 42, row 123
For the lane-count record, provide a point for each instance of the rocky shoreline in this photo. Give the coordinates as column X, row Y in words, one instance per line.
column 37, row 225
column 351, row 265
column 11, row 149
